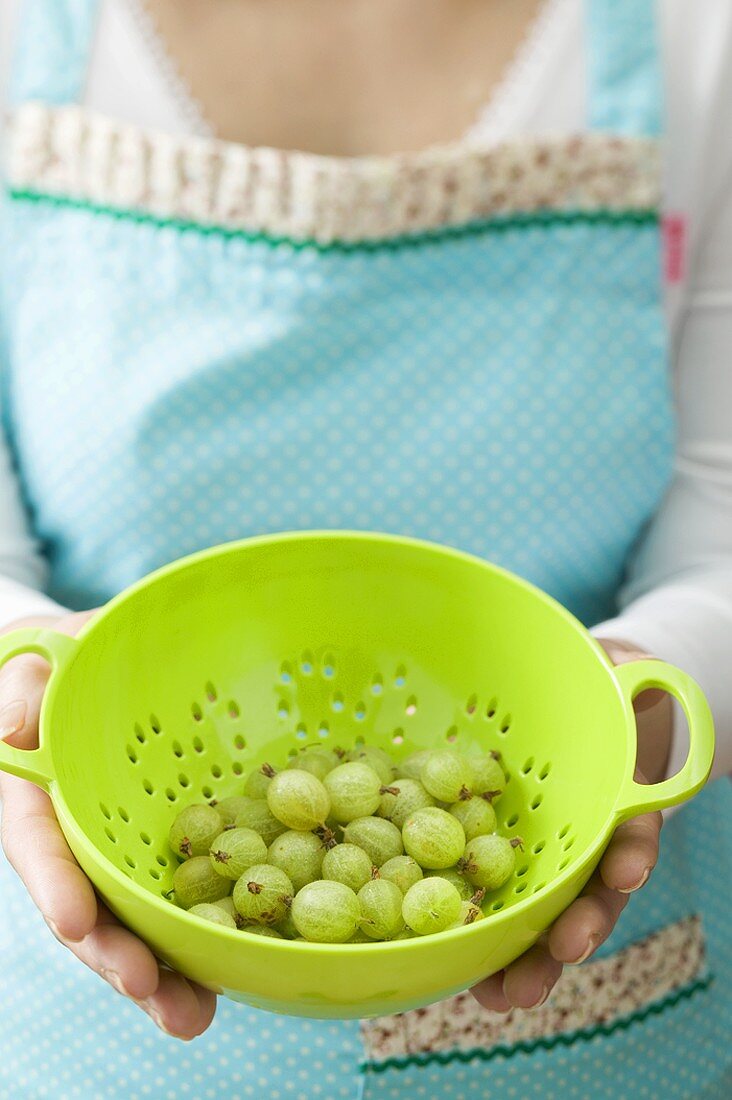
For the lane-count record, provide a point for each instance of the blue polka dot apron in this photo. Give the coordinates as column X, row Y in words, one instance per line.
column 204, row 341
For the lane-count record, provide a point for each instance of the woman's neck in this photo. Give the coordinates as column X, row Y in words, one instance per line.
column 342, row 77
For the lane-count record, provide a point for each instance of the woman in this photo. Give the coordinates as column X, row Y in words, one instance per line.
column 438, row 319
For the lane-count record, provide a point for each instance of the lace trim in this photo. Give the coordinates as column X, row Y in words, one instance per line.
column 191, row 110
column 567, row 1039
column 531, row 59
column 595, row 995
column 70, row 151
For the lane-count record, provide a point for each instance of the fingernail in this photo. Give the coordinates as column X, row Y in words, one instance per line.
column 154, row 1016
column 641, row 882
column 54, row 927
column 158, row 1020
column 12, row 718
column 591, row 945
column 114, row 980
column 546, row 990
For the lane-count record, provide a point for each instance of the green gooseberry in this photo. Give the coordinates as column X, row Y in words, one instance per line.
column 194, row 830
column 196, row 882
column 434, row 837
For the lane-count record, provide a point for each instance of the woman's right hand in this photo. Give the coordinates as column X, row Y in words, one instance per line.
column 37, row 849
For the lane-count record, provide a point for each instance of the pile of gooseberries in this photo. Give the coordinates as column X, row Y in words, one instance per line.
column 348, row 847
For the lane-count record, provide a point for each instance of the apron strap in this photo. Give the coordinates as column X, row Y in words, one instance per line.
column 625, row 83
column 52, row 50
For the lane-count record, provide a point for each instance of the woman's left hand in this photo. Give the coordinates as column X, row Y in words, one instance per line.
column 628, row 861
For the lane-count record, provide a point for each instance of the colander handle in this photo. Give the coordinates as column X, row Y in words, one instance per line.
column 637, row 798
column 33, row 764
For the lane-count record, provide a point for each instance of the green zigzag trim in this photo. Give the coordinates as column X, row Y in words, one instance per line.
column 405, row 240
column 444, row 1057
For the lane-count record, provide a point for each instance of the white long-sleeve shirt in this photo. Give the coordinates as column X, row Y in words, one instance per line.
column 677, row 602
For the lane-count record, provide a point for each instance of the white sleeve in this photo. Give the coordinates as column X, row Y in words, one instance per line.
column 22, row 567
column 677, row 602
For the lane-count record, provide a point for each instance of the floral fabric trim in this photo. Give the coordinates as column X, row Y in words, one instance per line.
column 594, row 995
column 74, row 153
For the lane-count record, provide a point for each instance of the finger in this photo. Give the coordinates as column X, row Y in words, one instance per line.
column 36, row 848
column 180, row 1007
column 530, row 980
column 489, row 993
column 22, row 683
column 587, row 923
column 632, row 853
column 31, row 837
column 123, row 960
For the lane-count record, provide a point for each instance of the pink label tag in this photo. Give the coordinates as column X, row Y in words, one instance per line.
column 674, row 247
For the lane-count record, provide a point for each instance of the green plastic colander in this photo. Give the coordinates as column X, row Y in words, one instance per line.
column 245, row 652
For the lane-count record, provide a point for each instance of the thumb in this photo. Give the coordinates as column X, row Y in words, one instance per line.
column 621, row 653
